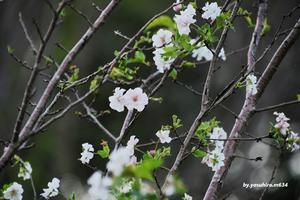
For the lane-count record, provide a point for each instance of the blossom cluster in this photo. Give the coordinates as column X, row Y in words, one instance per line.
column 215, row 158
column 163, row 38
column 132, row 99
column 292, row 139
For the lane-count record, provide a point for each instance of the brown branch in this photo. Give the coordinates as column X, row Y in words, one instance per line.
column 26, row 130
column 277, row 106
column 205, row 99
column 248, row 108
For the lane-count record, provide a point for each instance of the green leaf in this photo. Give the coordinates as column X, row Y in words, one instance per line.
column 266, row 27
column 10, row 50
column 205, row 129
column 104, row 153
column 156, row 99
column 75, row 74
column 207, row 34
column 72, row 196
column 95, row 82
column 147, row 167
column 199, row 153
column 249, row 21
column 173, row 74
column 188, row 65
column 164, row 21
column 176, row 122
column 298, row 97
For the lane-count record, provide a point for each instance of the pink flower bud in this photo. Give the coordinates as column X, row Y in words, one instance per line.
column 152, row 152
column 177, row 7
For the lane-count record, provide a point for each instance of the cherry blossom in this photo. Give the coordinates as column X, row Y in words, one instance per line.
column 187, row 197
column 14, row 192
column 163, row 136
column 169, row 188
column 161, row 38
column 117, row 100
column 136, row 99
column 99, row 186
column 282, row 123
column 218, row 133
column 185, row 19
column 251, row 86
column 126, row 187
column 205, row 53
column 52, row 189
column 161, row 63
column 293, row 141
column 214, row 159
column 87, row 153
column 118, row 159
column 130, row 145
column 211, row 10
column 25, row 171
column 178, row 6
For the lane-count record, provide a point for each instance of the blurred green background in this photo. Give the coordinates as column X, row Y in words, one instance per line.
column 56, row 152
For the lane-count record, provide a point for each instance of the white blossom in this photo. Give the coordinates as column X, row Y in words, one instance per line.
column 161, row 38
column 169, row 189
column 211, row 10
column 293, row 141
column 131, row 143
column 205, row 53
column 214, row 159
column 126, row 187
column 118, row 160
column 187, row 197
column 87, row 153
column 161, row 63
column 185, row 19
column 202, row 53
column 14, row 192
column 218, row 133
column 146, row 188
column 25, row 171
column 251, row 86
column 136, row 99
column 117, row 100
column 282, row 123
column 222, row 54
column 163, row 136
column 99, row 186
column 52, row 189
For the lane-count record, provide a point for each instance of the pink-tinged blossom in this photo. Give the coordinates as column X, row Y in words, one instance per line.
column 117, row 100
column 211, row 10
column 185, row 19
column 282, row 123
column 161, row 38
column 136, row 99
column 178, row 6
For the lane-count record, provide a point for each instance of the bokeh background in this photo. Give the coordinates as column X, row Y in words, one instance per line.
column 56, row 152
